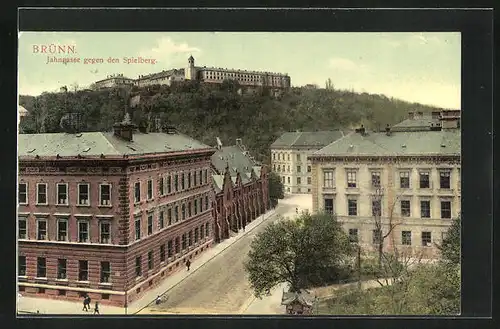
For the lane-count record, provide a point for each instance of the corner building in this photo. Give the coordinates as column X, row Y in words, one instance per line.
column 407, row 178
column 110, row 214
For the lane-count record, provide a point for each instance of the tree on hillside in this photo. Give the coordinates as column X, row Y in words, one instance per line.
column 329, row 84
column 276, row 189
column 311, row 250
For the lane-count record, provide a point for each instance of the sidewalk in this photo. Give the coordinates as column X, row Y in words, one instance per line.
column 30, row 305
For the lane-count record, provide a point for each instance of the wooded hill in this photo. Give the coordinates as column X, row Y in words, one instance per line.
column 206, row 111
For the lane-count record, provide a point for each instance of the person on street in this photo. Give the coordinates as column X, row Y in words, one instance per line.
column 188, row 264
column 96, row 308
column 86, row 303
column 158, row 300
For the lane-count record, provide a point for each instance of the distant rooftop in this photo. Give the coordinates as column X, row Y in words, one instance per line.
column 317, row 139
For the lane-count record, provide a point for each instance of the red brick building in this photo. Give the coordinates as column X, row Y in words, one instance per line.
column 240, row 187
column 110, row 214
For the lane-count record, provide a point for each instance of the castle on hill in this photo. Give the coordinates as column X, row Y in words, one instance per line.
column 248, row 79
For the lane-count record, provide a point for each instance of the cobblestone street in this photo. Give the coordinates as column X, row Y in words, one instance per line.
column 221, row 286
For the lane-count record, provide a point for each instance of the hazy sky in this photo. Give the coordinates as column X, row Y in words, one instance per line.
column 417, row 67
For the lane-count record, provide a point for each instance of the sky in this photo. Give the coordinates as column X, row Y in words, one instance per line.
column 415, row 67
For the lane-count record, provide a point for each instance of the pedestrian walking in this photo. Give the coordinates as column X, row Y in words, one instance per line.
column 158, row 300
column 297, row 210
column 86, row 303
column 96, row 308
column 188, row 264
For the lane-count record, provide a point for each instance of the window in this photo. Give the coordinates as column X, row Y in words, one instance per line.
column 201, row 173
column 83, row 270
column 83, row 194
column 445, row 209
column 329, row 205
column 105, row 194
column 274, row 156
column 202, row 232
column 176, row 212
column 404, row 179
column 424, row 179
column 201, row 204
column 376, row 236
column 376, row 179
column 196, row 206
column 105, row 272
column 169, row 184
column 23, row 228
column 21, row 266
column 138, row 266
column 444, row 179
column 183, row 181
column 176, row 182
column 206, row 176
column 62, row 194
column 426, row 239
column 61, row 269
column 184, row 241
column 150, row 189
column 41, row 229
column 83, row 231
column 190, row 238
column 308, row 168
column 425, row 209
column 299, row 180
column 170, row 248
column 351, row 178
column 309, row 180
column 353, row 235
column 62, row 230
column 161, row 186
column 150, row 260
column 406, row 238
column 161, row 220
column 352, row 206
column 405, row 208
column 41, row 267
column 274, row 167
column 189, row 180
column 376, row 208
column 105, row 232
column 206, row 203
column 298, row 169
column 183, row 211
column 137, row 228
column 23, row 193
column 288, row 168
column 328, row 179
column 195, row 178
column 150, row 224
column 169, row 216
column 41, row 193
column 298, row 157
column 288, row 180
column 137, row 192
column 283, row 179
column 196, row 235
column 207, row 230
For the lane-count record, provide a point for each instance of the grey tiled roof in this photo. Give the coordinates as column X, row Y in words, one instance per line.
column 316, row 139
column 444, row 142
column 97, row 143
column 235, row 158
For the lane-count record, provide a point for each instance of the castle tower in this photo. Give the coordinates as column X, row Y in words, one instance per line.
column 190, row 73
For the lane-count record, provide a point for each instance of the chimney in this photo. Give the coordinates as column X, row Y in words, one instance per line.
column 411, row 115
column 124, row 129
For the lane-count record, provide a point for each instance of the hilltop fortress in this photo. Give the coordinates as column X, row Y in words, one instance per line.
column 249, row 79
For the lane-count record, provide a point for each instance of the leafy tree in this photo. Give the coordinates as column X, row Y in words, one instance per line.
column 450, row 247
column 276, row 189
column 308, row 251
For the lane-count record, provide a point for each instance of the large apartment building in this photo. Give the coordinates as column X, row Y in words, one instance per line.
column 406, row 178
column 110, row 215
column 289, row 157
